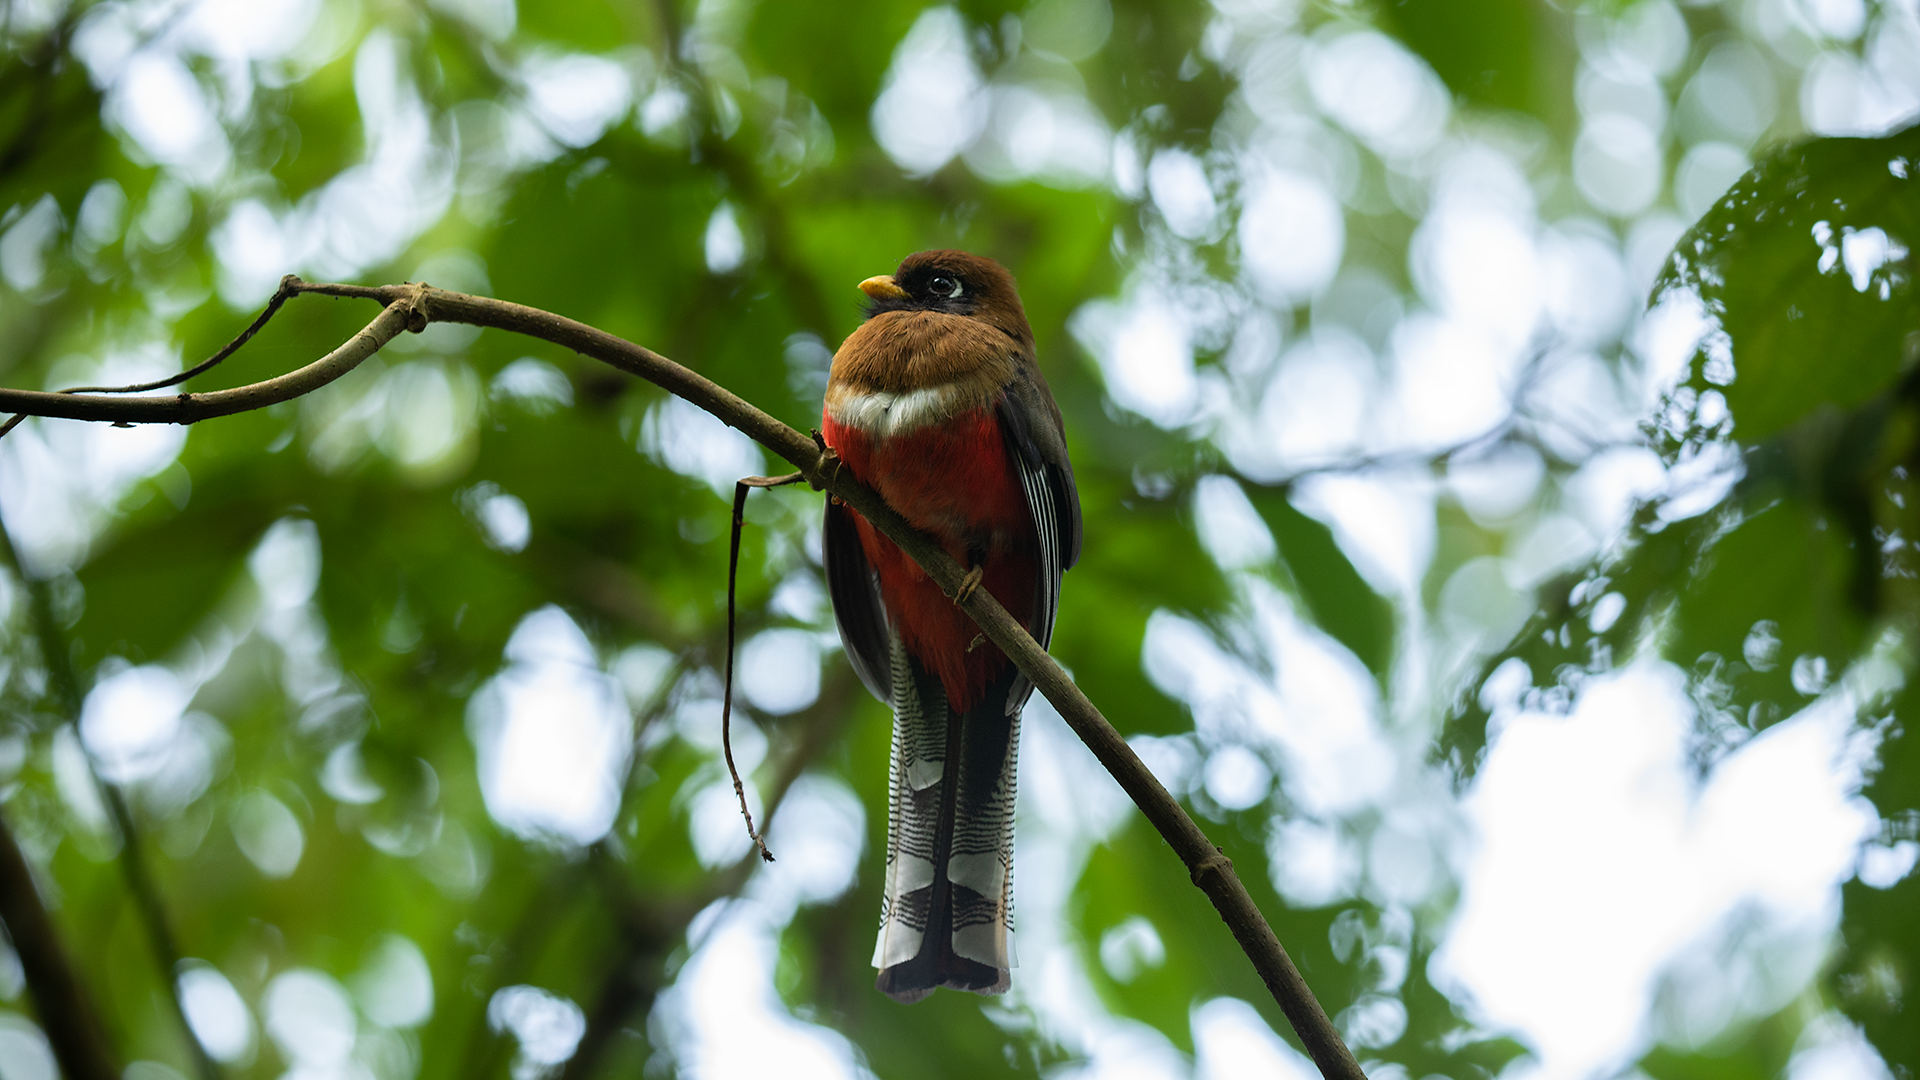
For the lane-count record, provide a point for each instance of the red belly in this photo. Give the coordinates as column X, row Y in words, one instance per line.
column 955, row 482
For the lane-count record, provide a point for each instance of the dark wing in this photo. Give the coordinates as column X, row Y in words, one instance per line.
column 1037, row 442
column 855, row 592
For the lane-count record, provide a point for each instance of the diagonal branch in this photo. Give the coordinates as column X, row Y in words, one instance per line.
column 65, row 689
column 65, row 1008
column 414, row 306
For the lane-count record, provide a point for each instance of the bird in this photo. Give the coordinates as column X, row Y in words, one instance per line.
column 937, row 403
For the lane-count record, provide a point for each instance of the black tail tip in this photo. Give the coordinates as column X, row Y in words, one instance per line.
column 915, row 979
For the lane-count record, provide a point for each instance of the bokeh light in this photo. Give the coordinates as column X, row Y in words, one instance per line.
column 1350, row 322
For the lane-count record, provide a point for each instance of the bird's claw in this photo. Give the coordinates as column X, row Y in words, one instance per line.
column 968, row 584
column 826, row 471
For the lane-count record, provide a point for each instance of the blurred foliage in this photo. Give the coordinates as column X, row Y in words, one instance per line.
column 759, row 115
column 1797, row 419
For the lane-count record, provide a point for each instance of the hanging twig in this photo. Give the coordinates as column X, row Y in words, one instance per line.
column 740, row 490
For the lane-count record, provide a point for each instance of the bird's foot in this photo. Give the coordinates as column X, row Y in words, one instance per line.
column 826, row 471
column 968, row 584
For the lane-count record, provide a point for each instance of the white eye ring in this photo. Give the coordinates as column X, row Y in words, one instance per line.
column 953, row 293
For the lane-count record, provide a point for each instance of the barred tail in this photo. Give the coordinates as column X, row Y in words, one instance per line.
column 947, row 915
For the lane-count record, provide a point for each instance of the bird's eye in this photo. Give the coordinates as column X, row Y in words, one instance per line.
column 946, row 287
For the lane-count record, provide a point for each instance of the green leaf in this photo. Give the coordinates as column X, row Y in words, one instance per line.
column 1807, row 266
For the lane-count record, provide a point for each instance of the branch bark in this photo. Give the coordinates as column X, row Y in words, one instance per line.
column 66, row 1010
column 413, row 306
column 85, row 404
column 64, row 687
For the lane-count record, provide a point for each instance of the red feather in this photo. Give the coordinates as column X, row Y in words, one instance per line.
column 954, row 481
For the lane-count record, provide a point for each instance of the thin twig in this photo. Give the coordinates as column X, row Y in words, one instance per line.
column 413, row 306
column 280, row 296
column 740, row 489
column 401, row 314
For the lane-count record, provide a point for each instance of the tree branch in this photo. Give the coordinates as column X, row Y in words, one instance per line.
column 414, row 306
column 66, row 1011
column 64, row 685
column 401, row 314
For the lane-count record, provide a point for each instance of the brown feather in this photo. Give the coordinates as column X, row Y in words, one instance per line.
column 901, row 351
column 996, row 298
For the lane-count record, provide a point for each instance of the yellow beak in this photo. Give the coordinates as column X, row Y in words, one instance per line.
column 883, row 288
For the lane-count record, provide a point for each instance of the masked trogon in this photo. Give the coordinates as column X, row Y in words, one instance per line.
column 936, row 402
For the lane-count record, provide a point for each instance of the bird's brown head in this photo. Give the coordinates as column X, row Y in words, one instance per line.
column 953, row 282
